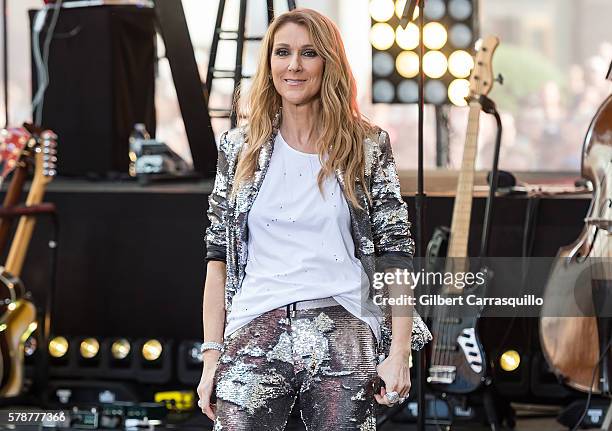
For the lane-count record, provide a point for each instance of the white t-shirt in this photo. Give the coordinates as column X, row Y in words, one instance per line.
column 300, row 245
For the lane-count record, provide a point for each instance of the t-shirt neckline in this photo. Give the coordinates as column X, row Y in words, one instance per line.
column 294, row 150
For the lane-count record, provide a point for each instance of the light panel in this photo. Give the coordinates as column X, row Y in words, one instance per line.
column 381, row 10
column 434, row 35
column 407, row 64
column 460, row 64
column 458, row 90
column 382, row 36
column 448, row 38
column 435, row 64
column 408, row 38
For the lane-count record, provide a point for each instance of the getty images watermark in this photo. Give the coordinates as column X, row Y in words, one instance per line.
column 456, row 285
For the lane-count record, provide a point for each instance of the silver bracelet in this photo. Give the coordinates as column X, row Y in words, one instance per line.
column 211, row 345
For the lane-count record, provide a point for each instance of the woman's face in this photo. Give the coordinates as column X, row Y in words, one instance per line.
column 297, row 69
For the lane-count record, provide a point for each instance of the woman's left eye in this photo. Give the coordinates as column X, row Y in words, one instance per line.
column 310, row 53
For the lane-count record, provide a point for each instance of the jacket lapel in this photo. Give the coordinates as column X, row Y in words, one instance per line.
column 247, row 193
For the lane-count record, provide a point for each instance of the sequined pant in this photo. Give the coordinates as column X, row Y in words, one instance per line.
column 325, row 355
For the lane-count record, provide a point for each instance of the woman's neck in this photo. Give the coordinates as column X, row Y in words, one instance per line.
column 299, row 125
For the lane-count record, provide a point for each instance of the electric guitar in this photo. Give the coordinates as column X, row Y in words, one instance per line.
column 16, row 150
column 19, row 320
column 457, row 357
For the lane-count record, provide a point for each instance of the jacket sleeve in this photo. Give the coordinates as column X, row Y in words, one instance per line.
column 216, row 234
column 389, row 215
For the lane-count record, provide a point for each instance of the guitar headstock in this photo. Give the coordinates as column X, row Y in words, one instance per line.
column 14, row 144
column 46, row 157
column 481, row 79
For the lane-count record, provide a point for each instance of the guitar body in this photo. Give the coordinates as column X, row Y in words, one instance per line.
column 20, row 324
column 459, row 356
column 11, row 290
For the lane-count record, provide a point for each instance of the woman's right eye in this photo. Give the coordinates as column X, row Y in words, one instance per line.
column 281, row 52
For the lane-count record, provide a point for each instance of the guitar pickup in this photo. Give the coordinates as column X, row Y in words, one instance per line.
column 442, row 374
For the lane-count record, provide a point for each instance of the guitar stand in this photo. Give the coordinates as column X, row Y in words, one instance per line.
column 497, row 409
column 44, row 318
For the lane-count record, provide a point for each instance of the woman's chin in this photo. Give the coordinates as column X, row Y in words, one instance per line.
column 296, row 101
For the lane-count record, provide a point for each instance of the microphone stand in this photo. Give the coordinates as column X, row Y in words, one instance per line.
column 421, row 360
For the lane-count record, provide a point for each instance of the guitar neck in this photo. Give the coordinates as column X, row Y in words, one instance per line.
column 460, row 227
column 13, row 194
column 23, row 234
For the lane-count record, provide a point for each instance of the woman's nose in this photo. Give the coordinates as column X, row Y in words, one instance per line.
column 295, row 65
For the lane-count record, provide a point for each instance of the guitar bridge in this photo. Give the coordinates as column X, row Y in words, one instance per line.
column 442, row 374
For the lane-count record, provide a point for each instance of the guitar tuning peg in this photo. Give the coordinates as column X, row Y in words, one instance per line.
column 500, row 79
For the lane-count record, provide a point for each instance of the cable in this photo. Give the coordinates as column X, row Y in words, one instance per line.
column 588, row 402
column 42, row 59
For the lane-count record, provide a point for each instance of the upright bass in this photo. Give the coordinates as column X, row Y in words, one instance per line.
column 570, row 333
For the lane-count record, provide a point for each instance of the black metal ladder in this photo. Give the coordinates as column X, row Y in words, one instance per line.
column 240, row 38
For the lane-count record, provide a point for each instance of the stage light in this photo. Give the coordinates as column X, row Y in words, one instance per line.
column 458, row 90
column 89, row 348
column 407, row 64
column 408, row 91
column 399, row 9
column 435, row 64
column 120, row 349
column 409, row 38
column 383, row 64
column 434, row 35
column 510, row 360
column 460, row 36
column 12, row 306
column 382, row 36
column 194, row 355
column 460, row 9
column 381, row 10
column 460, row 64
column 152, row 350
column 435, row 9
column 435, row 92
column 448, row 41
column 30, row 346
column 383, row 91
column 58, row 347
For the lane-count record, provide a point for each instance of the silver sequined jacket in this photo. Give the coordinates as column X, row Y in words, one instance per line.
column 380, row 232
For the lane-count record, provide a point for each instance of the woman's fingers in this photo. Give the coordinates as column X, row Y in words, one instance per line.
column 205, row 392
column 207, row 408
column 403, row 391
column 380, row 398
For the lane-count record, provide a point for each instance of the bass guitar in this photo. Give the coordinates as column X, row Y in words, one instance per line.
column 457, row 357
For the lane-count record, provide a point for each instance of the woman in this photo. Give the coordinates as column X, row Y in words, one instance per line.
column 305, row 213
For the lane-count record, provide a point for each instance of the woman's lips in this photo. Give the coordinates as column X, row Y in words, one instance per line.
column 295, row 82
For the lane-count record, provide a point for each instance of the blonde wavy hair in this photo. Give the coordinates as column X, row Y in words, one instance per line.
column 343, row 128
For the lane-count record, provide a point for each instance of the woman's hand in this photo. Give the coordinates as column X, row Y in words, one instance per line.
column 207, row 383
column 395, row 372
